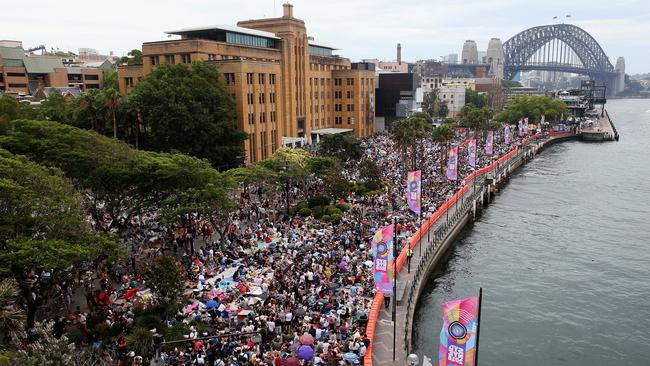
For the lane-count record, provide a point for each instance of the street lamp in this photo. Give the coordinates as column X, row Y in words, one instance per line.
column 412, row 360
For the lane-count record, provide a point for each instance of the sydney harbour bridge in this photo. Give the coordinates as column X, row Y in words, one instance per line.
column 557, row 47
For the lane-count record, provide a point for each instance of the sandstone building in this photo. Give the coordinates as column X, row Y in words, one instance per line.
column 289, row 90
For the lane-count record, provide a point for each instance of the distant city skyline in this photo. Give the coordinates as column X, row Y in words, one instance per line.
column 360, row 29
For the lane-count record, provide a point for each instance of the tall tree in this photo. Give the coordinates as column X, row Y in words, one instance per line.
column 43, row 229
column 119, row 181
column 443, row 135
column 341, row 146
column 190, row 111
column 474, row 98
column 112, row 100
column 408, row 135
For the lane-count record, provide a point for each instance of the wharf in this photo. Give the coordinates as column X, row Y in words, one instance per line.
column 601, row 129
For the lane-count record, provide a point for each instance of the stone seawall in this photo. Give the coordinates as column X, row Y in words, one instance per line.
column 438, row 236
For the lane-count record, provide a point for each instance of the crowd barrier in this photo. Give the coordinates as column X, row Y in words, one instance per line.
column 415, row 239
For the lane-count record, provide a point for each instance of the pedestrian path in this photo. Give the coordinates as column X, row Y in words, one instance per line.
column 382, row 349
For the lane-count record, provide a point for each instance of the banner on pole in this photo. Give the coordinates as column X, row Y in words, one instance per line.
column 520, row 127
column 471, row 150
column 506, row 135
column 489, row 141
column 452, row 164
column 382, row 253
column 414, row 190
column 458, row 336
column 526, row 126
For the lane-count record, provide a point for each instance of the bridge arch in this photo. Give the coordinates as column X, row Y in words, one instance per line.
column 519, row 49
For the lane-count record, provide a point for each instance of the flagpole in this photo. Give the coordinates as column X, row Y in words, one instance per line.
column 478, row 325
column 395, row 242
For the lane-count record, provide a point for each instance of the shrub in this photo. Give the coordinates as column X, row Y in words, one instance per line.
column 326, row 218
column 140, row 342
column 304, row 212
column 317, row 212
column 175, row 333
column 343, row 206
column 332, row 210
column 360, row 189
column 148, row 321
column 335, row 218
column 318, row 201
column 75, row 336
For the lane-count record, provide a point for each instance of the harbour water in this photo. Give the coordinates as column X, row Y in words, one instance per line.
column 562, row 255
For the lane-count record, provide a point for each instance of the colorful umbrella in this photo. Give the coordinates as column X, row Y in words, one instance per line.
column 305, row 353
column 306, row 339
column 211, row 304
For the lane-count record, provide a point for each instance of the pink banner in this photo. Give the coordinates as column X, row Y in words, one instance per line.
column 382, row 253
column 471, row 151
column 506, row 135
column 489, row 141
column 414, row 190
column 459, row 333
column 452, row 164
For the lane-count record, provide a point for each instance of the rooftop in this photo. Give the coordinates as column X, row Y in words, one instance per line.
column 223, row 28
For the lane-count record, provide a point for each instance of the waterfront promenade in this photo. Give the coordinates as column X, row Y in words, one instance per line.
column 438, row 234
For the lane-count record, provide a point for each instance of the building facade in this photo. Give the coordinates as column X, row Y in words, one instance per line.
column 23, row 73
column 287, row 88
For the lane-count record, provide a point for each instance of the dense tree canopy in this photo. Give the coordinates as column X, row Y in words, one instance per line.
column 341, row 146
column 120, row 180
column 533, row 108
column 187, row 110
column 476, row 99
column 42, row 228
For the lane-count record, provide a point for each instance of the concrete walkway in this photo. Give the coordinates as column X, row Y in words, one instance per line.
column 382, row 349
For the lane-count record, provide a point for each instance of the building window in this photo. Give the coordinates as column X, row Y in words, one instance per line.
column 349, row 120
column 338, row 107
column 212, row 57
column 17, row 85
column 249, row 78
column 128, row 82
column 272, row 116
column 262, row 98
column 155, row 60
column 272, row 97
column 186, row 58
column 337, row 81
column 260, row 78
column 16, row 74
column 350, row 107
column 249, row 98
column 350, row 94
column 271, row 78
column 451, row 96
column 262, row 117
column 338, row 120
column 337, row 95
column 251, row 118
column 91, row 77
column 170, row 59
column 350, row 81
column 230, row 78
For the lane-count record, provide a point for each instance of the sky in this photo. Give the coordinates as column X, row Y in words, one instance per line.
column 427, row 29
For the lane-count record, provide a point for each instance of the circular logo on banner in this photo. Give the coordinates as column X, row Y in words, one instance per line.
column 381, row 248
column 457, row 330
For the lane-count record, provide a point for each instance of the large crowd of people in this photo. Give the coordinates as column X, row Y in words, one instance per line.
column 275, row 289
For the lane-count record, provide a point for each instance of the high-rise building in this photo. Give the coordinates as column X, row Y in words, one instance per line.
column 288, row 88
column 470, row 53
column 495, row 57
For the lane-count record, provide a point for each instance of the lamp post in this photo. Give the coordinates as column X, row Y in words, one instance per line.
column 412, row 360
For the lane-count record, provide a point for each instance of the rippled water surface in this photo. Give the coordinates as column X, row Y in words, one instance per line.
column 563, row 256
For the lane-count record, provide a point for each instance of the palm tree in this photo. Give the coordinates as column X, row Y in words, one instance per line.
column 112, row 100
column 443, row 135
column 409, row 133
